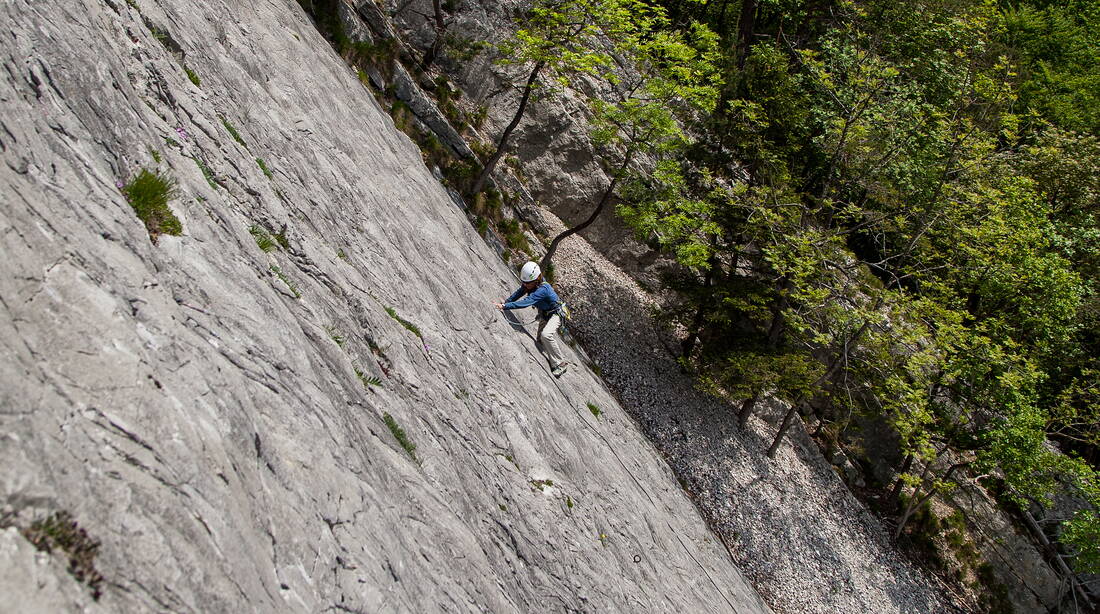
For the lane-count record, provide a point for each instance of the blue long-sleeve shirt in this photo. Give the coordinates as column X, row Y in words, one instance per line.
column 543, row 298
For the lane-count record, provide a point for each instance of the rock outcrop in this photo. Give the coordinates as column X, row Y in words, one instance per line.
column 305, row 401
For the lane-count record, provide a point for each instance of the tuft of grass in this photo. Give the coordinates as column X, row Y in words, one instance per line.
column 233, row 132
column 148, row 193
column 400, row 436
column 263, row 239
column 596, row 369
column 478, row 118
column 483, row 149
column 407, row 324
column 380, row 55
column 286, row 280
column 402, row 117
column 513, row 235
column 335, row 335
column 482, row 226
column 263, row 167
column 489, row 202
column 368, row 382
column 155, row 154
column 595, row 409
column 207, row 174
column 540, row 484
column 60, row 532
column 569, row 502
column 280, row 237
column 550, row 272
column 341, row 254
column 192, row 76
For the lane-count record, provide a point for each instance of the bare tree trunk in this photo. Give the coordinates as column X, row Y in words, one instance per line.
column 546, row 260
column 1071, row 577
column 440, row 28
column 775, row 329
column 747, row 406
column 895, row 493
column 745, row 27
column 784, row 426
column 688, row 344
column 839, row 359
column 502, row 143
column 919, row 499
column 778, row 320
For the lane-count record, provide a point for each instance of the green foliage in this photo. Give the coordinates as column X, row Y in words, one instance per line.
column 281, row 239
column 286, row 280
column 402, row 117
column 233, row 132
column 263, row 167
column 592, row 407
column 263, row 239
column 1057, row 49
column 148, row 193
column 335, row 336
column 206, row 172
column 192, row 76
column 876, row 216
column 400, row 435
column 368, row 381
column 477, row 120
column 59, row 532
column 1082, row 534
column 409, row 325
column 513, row 235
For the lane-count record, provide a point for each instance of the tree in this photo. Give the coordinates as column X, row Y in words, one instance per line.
column 439, row 25
column 561, row 39
column 665, row 72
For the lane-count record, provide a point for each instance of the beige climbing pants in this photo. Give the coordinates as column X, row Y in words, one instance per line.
column 548, row 336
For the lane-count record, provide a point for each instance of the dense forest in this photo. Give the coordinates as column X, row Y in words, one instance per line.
column 883, row 213
column 889, row 211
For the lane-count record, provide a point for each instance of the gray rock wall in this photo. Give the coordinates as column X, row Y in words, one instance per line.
column 561, row 169
column 214, row 414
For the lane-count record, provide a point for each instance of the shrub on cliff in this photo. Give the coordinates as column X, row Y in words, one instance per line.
column 148, row 193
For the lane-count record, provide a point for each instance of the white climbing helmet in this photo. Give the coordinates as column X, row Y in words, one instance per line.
column 529, row 272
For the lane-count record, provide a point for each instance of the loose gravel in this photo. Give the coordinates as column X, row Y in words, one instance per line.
column 804, row 541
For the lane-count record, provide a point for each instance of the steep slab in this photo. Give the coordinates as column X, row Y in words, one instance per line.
column 224, row 420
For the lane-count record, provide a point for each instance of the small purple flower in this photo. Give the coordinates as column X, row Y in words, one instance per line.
column 181, row 132
column 119, row 184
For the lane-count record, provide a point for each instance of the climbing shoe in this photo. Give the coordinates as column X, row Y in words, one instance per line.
column 558, row 370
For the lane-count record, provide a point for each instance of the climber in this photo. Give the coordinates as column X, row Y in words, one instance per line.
column 542, row 296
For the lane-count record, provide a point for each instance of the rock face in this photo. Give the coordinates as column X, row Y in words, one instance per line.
column 236, row 426
column 561, row 168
